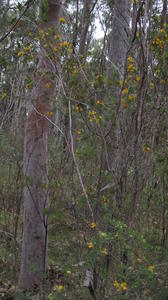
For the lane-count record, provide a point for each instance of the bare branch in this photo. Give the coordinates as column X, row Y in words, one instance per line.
column 76, row 163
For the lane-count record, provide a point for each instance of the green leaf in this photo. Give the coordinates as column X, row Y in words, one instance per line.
column 3, row 62
column 19, row 6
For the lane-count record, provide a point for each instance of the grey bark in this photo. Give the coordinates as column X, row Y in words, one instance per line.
column 119, row 35
column 118, row 46
column 86, row 18
column 34, row 245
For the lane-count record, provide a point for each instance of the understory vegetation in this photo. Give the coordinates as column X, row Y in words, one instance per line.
column 107, row 214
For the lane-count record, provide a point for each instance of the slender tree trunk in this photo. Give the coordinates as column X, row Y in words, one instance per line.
column 86, row 18
column 84, row 26
column 164, row 13
column 34, row 246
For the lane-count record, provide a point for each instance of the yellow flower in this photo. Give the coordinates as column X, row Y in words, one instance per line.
column 55, row 49
column 131, row 68
column 48, row 85
column 60, row 288
column 4, row 94
column 147, row 149
column 93, row 225
column 125, row 91
column 130, row 59
column 56, row 37
column 62, row 44
column 78, row 131
column 139, row 260
column 124, row 103
column 27, row 49
column 161, row 30
column 123, row 286
column 137, row 78
column 66, row 44
column 74, row 72
column 90, row 245
column 156, row 41
column 121, row 83
column 69, row 272
column 20, row 53
column 105, row 199
column 105, row 251
column 151, row 85
column 151, row 268
column 91, row 112
column 117, row 285
column 41, row 31
column 49, row 114
column 77, row 108
column 131, row 97
column 62, row 20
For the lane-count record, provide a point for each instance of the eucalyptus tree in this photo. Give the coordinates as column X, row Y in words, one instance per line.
column 35, row 236
column 119, row 42
column 88, row 8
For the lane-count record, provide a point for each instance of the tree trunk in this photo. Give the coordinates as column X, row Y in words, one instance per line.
column 119, row 35
column 119, row 43
column 34, row 246
column 164, row 13
column 86, row 18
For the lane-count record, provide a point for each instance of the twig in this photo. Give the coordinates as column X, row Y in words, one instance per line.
column 14, row 25
column 44, row 116
column 75, row 161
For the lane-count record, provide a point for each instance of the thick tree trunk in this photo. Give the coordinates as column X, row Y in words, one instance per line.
column 119, row 33
column 34, row 246
column 119, row 42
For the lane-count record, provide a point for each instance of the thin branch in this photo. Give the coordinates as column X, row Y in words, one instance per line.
column 44, row 116
column 15, row 24
column 76, row 163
